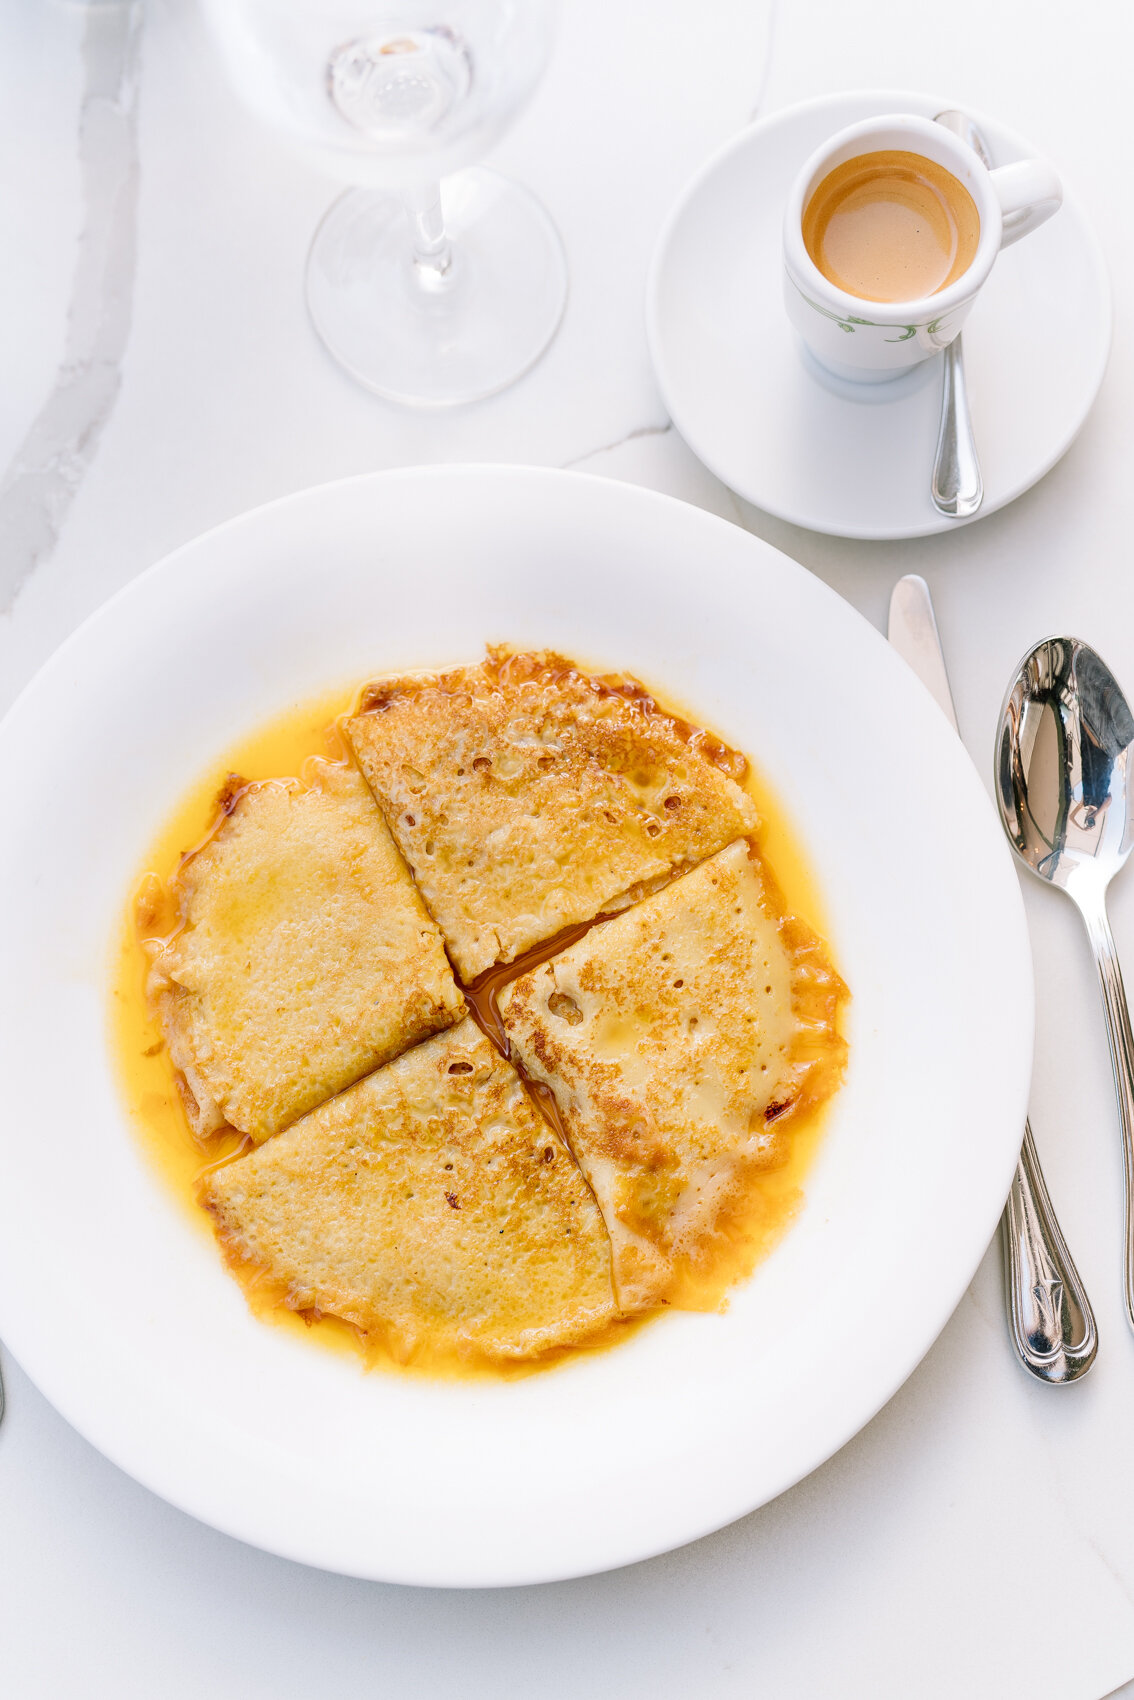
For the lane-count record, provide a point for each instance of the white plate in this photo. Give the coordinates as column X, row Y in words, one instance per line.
column 766, row 424
column 124, row 1316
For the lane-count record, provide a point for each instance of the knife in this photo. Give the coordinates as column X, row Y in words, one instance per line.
column 1049, row 1315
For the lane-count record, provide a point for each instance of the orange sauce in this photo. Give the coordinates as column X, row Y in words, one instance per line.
column 281, row 747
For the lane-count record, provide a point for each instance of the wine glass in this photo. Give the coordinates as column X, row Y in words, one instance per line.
column 429, row 292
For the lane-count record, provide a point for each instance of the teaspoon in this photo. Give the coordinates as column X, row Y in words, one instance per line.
column 957, row 488
column 1062, row 759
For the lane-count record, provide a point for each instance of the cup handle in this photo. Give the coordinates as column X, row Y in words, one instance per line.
column 1028, row 192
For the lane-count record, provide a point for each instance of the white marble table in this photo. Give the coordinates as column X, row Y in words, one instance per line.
column 160, row 376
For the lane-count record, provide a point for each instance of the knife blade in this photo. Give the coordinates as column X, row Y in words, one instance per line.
column 913, row 632
column 1049, row 1315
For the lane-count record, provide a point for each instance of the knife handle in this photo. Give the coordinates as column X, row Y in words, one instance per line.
column 1049, row 1314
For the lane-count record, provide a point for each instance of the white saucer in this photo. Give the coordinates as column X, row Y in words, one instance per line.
column 806, row 448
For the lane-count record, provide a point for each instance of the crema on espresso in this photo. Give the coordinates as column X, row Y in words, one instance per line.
column 891, row 226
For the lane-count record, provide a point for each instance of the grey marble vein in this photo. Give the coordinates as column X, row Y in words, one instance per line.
column 45, row 473
column 630, row 437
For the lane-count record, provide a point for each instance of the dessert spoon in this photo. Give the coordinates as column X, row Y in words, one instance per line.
column 1062, row 757
column 957, row 488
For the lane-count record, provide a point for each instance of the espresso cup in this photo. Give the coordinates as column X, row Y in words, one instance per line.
column 871, row 341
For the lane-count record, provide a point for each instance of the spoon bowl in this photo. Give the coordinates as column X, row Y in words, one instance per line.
column 1063, row 787
column 1063, row 773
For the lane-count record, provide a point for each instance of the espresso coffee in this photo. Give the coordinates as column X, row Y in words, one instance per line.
column 891, row 226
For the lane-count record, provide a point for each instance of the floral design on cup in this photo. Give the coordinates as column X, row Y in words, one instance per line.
column 851, row 321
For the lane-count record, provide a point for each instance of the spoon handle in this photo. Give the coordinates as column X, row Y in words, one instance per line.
column 1048, row 1311
column 1122, row 1063
column 957, row 488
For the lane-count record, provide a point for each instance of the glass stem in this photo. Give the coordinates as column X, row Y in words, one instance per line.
column 432, row 254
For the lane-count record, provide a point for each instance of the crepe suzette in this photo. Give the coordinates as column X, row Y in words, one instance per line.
column 679, row 1039
column 430, row 1205
column 527, row 796
column 305, row 957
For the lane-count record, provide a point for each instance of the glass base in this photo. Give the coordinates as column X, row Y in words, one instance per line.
column 435, row 344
